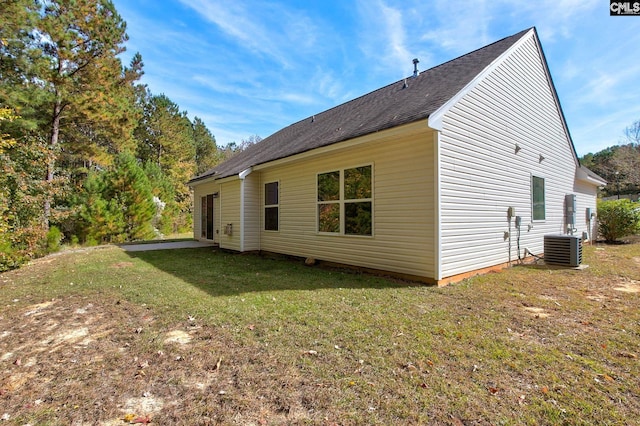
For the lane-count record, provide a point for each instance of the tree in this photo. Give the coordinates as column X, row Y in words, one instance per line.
column 632, row 133
column 130, row 187
column 165, row 137
column 164, row 196
column 626, row 161
column 70, row 73
column 619, row 164
column 117, row 204
column 71, row 115
column 100, row 219
column 5, row 214
column 206, row 148
column 21, row 195
column 16, row 23
column 232, row 148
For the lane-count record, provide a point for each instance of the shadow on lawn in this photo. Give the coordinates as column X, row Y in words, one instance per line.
column 221, row 273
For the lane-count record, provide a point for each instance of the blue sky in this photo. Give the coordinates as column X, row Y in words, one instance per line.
column 251, row 67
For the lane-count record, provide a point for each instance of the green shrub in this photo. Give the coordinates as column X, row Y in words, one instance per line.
column 54, row 238
column 618, row 218
column 21, row 246
column 8, row 258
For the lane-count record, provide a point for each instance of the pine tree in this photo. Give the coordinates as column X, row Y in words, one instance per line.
column 101, row 219
column 68, row 81
column 206, row 149
column 117, row 204
column 165, row 138
column 130, row 187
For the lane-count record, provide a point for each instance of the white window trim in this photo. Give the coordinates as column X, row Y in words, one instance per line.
column 265, row 206
column 544, row 178
column 341, row 201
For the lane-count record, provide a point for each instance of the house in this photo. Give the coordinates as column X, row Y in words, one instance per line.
column 423, row 178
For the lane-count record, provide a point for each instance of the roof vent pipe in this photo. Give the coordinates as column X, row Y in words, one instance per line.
column 415, row 67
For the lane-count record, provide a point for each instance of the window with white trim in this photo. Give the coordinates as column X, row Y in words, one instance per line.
column 537, row 198
column 271, row 206
column 345, row 201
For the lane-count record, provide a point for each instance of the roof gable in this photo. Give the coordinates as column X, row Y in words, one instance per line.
column 382, row 109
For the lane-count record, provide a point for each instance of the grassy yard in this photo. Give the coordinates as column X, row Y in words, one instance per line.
column 200, row 337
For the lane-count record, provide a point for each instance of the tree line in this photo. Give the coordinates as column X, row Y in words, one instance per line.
column 619, row 164
column 88, row 154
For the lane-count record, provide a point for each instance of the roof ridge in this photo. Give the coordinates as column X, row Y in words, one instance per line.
column 404, row 78
column 519, row 33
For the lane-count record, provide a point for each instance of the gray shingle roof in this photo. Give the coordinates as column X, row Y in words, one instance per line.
column 387, row 107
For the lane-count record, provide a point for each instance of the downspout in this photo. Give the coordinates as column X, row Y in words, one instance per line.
column 243, row 174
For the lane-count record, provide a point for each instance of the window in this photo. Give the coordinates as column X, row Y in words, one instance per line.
column 271, row 206
column 345, row 201
column 329, row 202
column 537, row 198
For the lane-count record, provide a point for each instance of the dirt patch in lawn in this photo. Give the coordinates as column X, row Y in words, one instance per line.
column 109, row 362
column 83, row 347
column 178, row 336
column 628, row 286
column 120, row 265
column 536, row 312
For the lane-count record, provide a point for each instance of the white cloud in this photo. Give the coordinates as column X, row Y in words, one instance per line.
column 270, row 30
column 457, row 27
column 383, row 37
column 234, row 19
column 556, row 19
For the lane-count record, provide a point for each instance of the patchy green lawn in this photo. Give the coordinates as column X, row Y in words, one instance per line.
column 202, row 337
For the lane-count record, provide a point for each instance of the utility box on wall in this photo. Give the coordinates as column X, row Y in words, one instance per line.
column 570, row 211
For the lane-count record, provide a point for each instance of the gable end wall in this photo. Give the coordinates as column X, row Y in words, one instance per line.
column 482, row 175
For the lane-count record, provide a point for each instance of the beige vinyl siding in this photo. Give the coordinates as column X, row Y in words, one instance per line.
column 482, row 174
column 252, row 213
column 229, row 201
column 199, row 191
column 403, row 208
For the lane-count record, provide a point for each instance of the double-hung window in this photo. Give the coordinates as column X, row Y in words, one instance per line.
column 271, row 206
column 345, row 201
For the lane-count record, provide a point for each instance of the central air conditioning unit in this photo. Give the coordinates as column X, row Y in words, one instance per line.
column 563, row 250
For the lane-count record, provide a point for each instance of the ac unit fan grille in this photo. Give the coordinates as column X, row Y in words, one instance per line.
column 563, row 250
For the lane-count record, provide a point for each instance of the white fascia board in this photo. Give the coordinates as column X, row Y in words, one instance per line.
column 201, row 181
column 436, row 117
column 227, row 179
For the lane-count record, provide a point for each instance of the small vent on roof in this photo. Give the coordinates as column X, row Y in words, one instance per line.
column 313, row 119
column 405, row 85
column 415, row 67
